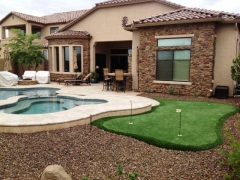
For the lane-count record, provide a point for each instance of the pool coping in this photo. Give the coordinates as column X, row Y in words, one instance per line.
column 117, row 105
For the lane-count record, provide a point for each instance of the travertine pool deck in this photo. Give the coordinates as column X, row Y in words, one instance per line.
column 118, row 104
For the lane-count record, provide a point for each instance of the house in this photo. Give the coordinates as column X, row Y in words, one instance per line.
column 166, row 47
column 189, row 51
column 100, row 37
column 29, row 24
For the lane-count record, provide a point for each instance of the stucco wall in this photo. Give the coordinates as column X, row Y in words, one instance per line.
column 106, row 24
column 2, row 61
column 135, row 59
column 13, row 21
column 225, row 53
column 18, row 22
column 202, row 57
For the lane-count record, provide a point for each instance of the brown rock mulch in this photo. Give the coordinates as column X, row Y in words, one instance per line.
column 88, row 151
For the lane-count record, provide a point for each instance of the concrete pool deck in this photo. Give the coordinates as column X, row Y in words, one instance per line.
column 118, row 104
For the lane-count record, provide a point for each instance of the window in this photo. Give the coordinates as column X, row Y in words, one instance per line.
column 53, row 29
column 66, row 58
column 119, row 59
column 57, row 58
column 175, row 42
column 23, row 31
column 45, row 54
column 36, row 30
column 79, row 58
column 173, row 65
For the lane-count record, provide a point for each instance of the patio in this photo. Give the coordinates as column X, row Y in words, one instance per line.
column 118, row 104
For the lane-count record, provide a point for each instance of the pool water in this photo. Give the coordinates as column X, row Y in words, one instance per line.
column 46, row 105
column 6, row 93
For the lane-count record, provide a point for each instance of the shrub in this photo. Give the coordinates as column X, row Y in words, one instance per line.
column 170, row 90
column 132, row 176
column 235, row 70
column 232, row 155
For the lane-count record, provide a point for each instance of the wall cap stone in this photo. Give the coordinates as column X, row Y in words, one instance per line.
column 174, row 36
column 172, row 82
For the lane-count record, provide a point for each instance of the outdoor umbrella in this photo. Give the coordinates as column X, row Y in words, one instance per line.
column 75, row 66
column 7, row 64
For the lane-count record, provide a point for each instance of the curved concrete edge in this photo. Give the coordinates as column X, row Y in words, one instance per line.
column 80, row 115
column 63, row 125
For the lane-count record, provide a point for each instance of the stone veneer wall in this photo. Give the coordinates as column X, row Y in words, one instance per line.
column 56, row 76
column 85, row 42
column 202, row 58
column 129, row 79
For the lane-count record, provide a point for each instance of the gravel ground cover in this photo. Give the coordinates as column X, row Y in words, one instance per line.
column 88, row 151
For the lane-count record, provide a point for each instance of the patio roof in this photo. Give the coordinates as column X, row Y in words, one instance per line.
column 69, row 34
column 63, row 17
column 185, row 15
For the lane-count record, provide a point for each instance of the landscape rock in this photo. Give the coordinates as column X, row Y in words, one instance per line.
column 55, row 172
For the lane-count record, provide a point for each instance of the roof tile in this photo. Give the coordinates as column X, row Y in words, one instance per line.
column 186, row 14
column 63, row 17
column 111, row 2
column 68, row 33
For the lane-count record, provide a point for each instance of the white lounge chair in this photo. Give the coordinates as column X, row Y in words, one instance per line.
column 43, row 77
column 29, row 75
column 8, row 79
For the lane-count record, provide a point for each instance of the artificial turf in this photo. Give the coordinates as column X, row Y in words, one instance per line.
column 201, row 124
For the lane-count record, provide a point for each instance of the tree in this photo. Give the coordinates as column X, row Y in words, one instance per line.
column 235, row 70
column 24, row 50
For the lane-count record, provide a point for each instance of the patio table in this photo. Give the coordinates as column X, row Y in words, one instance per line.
column 124, row 74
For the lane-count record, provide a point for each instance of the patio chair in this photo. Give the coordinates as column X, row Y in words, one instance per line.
column 74, row 77
column 119, row 79
column 8, row 78
column 43, row 77
column 29, row 75
column 107, row 82
column 86, row 80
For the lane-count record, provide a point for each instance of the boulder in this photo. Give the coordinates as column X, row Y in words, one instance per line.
column 55, row 172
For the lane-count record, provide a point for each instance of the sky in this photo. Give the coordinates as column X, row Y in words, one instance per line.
column 47, row 7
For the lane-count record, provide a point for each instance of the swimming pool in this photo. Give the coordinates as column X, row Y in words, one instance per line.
column 6, row 93
column 118, row 104
column 46, row 105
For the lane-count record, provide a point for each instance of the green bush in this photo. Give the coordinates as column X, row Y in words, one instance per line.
column 131, row 175
column 235, row 69
column 170, row 90
column 84, row 178
column 232, row 156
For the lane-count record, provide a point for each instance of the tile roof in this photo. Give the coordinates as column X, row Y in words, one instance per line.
column 68, row 33
column 27, row 17
column 113, row 2
column 63, row 17
column 184, row 14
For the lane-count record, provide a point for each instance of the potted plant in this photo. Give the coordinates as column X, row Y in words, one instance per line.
column 94, row 77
